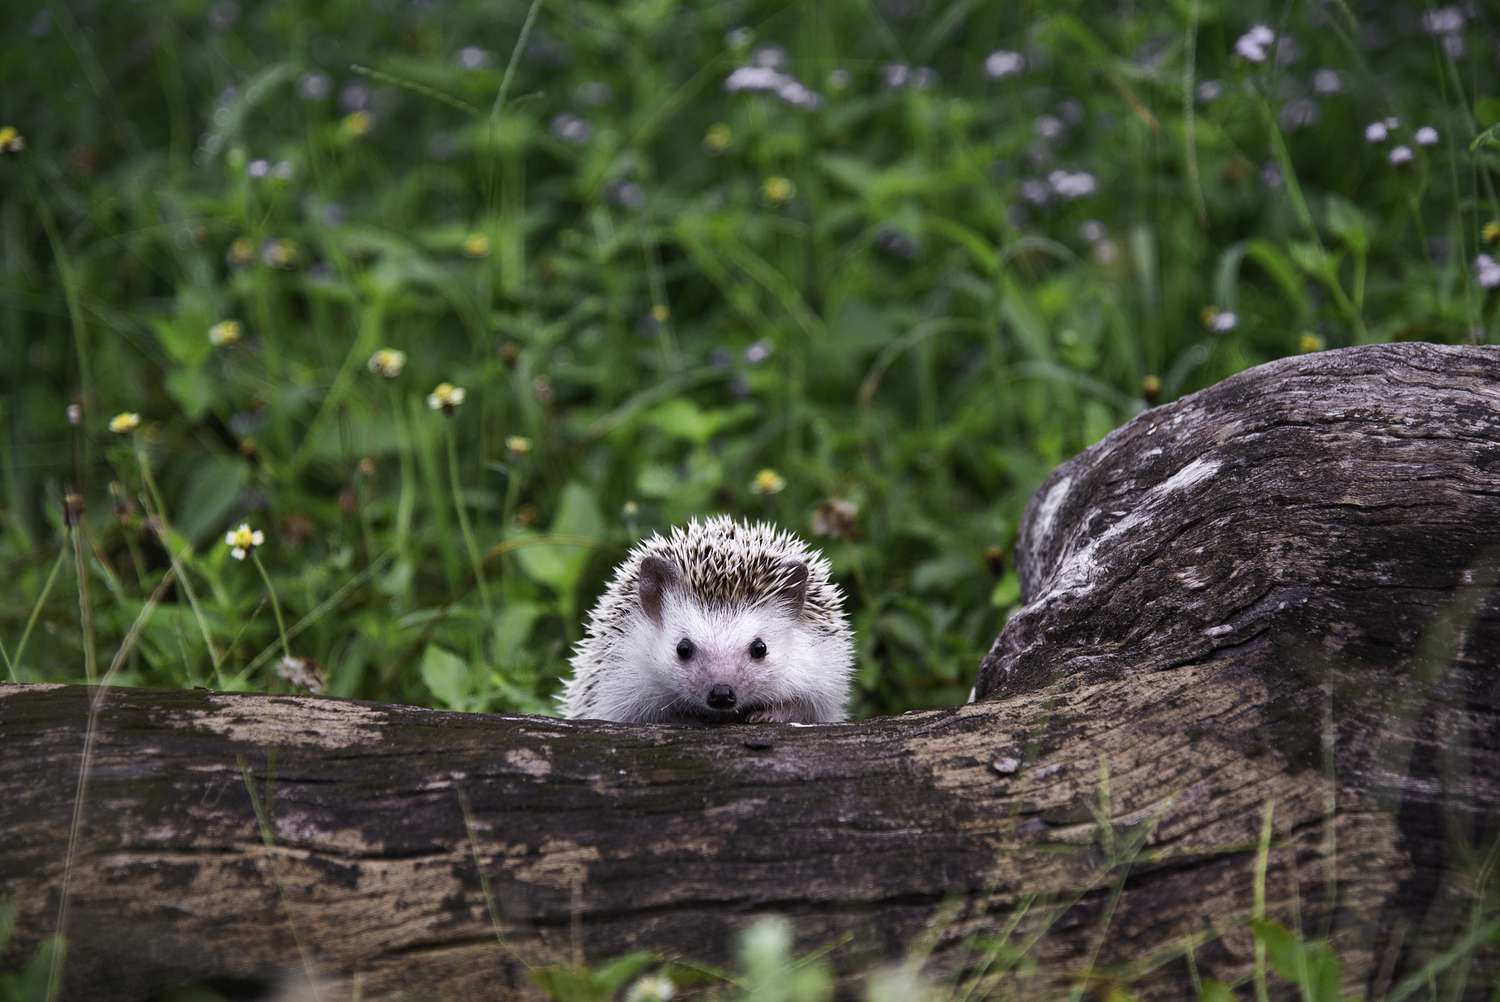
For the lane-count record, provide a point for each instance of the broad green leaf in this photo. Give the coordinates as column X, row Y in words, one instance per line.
column 512, row 626
column 1312, row 259
column 1215, row 991
column 446, row 676
column 559, row 562
column 192, row 389
column 684, row 419
column 211, row 492
column 1348, row 224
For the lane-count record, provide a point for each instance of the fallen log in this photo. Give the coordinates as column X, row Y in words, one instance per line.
column 1256, row 673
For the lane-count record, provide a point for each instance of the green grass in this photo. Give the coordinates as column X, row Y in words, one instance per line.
column 706, row 285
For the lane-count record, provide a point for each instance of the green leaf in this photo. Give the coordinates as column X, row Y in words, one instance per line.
column 512, row 626
column 560, row 562
column 1283, row 949
column 1313, row 967
column 193, row 391
column 684, row 419
column 943, row 573
column 1348, row 224
column 581, row 984
column 446, row 675
column 1007, row 591
column 905, row 629
column 1215, row 991
column 1312, row 259
column 1276, row 264
column 1489, row 137
column 211, row 492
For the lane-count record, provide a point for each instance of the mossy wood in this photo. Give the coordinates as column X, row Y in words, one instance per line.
column 1272, row 599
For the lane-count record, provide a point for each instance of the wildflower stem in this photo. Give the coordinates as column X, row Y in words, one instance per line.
column 13, row 664
column 157, row 511
column 85, row 601
column 286, row 647
column 1262, row 863
column 463, row 516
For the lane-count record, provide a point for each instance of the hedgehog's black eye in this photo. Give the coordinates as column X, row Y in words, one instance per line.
column 757, row 648
column 684, row 648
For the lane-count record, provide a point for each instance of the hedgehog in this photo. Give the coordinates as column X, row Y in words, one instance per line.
column 717, row 622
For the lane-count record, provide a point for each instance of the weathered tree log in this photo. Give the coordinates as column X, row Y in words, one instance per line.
column 1273, row 601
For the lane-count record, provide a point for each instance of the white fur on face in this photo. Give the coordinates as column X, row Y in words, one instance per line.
column 802, row 678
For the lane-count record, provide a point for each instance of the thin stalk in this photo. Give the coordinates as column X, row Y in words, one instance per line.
column 463, row 517
column 405, row 504
column 286, row 648
column 155, row 509
column 1262, row 861
column 85, row 601
column 14, row 663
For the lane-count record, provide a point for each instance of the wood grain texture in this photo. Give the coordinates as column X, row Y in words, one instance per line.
column 1278, row 591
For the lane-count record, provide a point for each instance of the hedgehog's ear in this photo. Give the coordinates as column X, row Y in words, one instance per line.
column 657, row 577
column 794, row 592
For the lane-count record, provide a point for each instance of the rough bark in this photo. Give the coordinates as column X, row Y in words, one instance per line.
column 1274, row 599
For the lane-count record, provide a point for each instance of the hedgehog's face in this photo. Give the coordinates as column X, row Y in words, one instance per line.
column 715, row 665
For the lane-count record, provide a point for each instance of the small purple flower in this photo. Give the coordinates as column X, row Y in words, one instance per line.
column 1002, row 63
column 1252, row 45
column 1209, row 91
column 764, row 80
column 1035, row 192
column 758, row 352
column 1326, row 81
column 594, row 94
column 1070, row 185
column 1223, row 321
column 1426, row 136
column 1487, row 271
column 770, row 57
column 625, row 194
column 258, row 168
column 895, row 75
column 1400, row 156
column 1376, row 132
column 472, row 57
column 570, row 128
column 1299, row 114
column 354, row 97
column 314, row 86
column 1443, row 21
column 1048, row 126
column 1092, row 231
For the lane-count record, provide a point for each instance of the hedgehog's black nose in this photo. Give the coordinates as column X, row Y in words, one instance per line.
column 721, row 697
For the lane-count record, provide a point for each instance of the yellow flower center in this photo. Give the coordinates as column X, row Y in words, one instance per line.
column 127, row 421
column 768, row 482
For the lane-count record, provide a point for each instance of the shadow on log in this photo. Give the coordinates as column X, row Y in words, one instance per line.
column 1270, row 602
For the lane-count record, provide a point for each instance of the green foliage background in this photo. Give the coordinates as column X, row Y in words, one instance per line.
column 670, row 292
